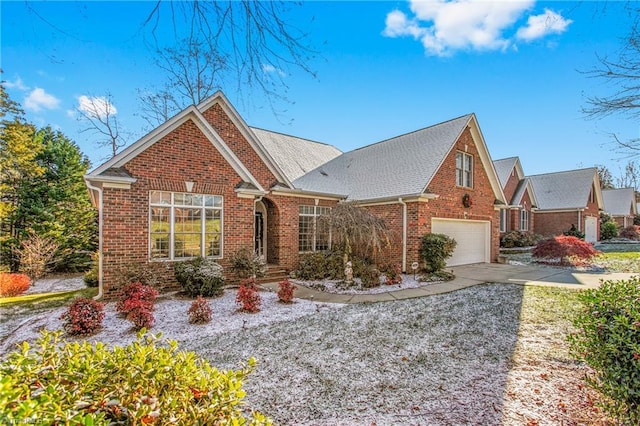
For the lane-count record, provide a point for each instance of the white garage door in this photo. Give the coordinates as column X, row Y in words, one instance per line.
column 473, row 237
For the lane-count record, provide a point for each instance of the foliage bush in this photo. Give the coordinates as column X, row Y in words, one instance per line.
column 83, row 317
column 285, row 291
column 144, row 382
column 248, row 297
column 36, row 255
column 245, row 263
column 91, row 275
column 636, row 220
column 200, row 277
column 13, row 284
column 564, row 250
column 574, row 232
column 608, row 230
column 370, row 277
column 393, row 274
column 519, row 239
column 631, row 233
column 435, row 250
column 200, row 311
column 320, row 265
column 608, row 340
column 137, row 304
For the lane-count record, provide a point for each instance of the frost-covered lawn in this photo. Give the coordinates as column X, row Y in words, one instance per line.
column 490, row 354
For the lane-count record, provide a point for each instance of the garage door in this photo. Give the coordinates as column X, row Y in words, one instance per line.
column 473, row 239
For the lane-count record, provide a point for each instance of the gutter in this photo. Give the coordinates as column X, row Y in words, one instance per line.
column 404, row 234
column 100, row 221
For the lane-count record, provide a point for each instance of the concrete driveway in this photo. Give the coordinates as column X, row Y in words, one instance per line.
column 470, row 275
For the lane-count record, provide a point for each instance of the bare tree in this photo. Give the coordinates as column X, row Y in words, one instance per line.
column 221, row 44
column 99, row 115
column 622, row 74
column 630, row 177
column 606, row 178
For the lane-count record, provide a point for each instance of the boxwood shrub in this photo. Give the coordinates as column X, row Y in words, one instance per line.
column 608, row 340
column 200, row 277
column 146, row 382
column 435, row 250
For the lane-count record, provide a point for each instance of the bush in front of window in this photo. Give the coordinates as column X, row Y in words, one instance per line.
column 320, row 265
column 435, row 250
column 519, row 239
column 200, row 277
column 245, row 264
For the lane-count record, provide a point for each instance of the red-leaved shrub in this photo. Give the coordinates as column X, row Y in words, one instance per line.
column 13, row 284
column 199, row 311
column 137, row 304
column 565, row 250
column 393, row 274
column 631, row 232
column 285, row 291
column 83, row 317
column 248, row 297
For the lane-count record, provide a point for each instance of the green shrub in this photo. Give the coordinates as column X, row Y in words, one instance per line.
column 245, row 263
column 200, row 277
column 519, row 239
column 608, row 230
column 574, row 232
column 636, row 220
column 320, row 265
column 144, row 382
column 91, row 275
column 370, row 277
column 565, row 250
column 608, row 340
column 435, row 250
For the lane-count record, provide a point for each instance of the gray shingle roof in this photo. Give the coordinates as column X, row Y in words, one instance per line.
column 619, row 202
column 295, row 156
column 563, row 190
column 403, row 165
column 503, row 169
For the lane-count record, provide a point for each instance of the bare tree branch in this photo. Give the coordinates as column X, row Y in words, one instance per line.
column 99, row 115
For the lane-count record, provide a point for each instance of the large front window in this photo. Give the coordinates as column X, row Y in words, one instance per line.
column 184, row 225
column 313, row 235
column 464, row 170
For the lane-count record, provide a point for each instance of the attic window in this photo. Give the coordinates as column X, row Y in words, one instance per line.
column 464, row 169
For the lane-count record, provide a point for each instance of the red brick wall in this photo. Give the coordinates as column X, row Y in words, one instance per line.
column 551, row 223
column 239, row 145
column 511, row 186
column 184, row 155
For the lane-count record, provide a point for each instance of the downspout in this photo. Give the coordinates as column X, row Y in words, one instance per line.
column 404, row 234
column 256, row 201
column 99, row 191
column 579, row 220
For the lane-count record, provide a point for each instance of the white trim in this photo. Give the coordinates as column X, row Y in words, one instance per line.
column 298, row 194
column 100, row 234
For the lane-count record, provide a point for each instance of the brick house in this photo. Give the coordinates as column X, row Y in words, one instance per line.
column 565, row 199
column 621, row 205
column 518, row 214
column 206, row 184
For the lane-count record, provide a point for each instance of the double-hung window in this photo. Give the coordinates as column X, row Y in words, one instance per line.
column 503, row 220
column 313, row 234
column 464, row 170
column 524, row 220
column 184, row 225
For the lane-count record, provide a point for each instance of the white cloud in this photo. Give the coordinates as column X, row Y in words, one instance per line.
column 38, row 99
column 539, row 26
column 446, row 26
column 268, row 68
column 96, row 106
column 16, row 84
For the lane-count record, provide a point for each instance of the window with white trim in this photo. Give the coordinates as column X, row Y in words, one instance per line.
column 464, row 169
column 184, row 225
column 503, row 220
column 313, row 235
column 524, row 220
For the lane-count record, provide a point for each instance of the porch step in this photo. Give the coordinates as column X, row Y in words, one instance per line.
column 275, row 273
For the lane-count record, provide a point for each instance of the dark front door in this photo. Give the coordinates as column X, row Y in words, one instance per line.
column 258, row 245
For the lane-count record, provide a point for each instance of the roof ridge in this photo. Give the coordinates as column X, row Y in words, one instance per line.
column 562, row 171
column 410, row 133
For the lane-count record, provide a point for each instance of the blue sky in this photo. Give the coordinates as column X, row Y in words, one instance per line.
column 385, row 68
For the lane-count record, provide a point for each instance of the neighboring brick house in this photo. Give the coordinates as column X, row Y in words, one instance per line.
column 205, row 183
column 518, row 214
column 621, row 205
column 568, row 198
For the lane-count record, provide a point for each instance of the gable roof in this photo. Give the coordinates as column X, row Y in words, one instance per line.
column 397, row 167
column 504, row 167
column 295, row 156
column 525, row 186
column 619, row 202
column 565, row 190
